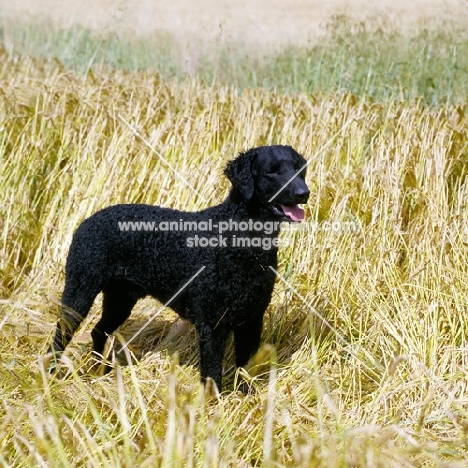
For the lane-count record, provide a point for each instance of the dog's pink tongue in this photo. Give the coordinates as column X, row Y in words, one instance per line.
column 296, row 213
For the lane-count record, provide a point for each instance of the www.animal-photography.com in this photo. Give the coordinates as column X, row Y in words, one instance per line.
column 233, row 234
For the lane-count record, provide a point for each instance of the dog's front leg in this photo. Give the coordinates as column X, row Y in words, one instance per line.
column 212, row 346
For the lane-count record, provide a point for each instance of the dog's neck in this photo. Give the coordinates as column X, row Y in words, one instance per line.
column 236, row 207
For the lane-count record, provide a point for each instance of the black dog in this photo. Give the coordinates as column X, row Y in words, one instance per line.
column 127, row 252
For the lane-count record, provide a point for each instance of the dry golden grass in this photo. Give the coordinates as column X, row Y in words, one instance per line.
column 386, row 387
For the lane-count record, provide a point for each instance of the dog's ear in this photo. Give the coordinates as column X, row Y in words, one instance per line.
column 239, row 172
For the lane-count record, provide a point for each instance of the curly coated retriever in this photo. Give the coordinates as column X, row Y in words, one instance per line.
column 212, row 265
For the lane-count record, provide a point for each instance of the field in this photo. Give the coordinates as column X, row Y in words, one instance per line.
column 365, row 345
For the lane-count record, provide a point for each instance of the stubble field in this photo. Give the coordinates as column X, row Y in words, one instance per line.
column 365, row 352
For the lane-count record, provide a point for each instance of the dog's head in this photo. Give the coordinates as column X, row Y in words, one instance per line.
column 271, row 177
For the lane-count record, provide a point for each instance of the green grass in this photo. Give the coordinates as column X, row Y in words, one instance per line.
column 385, row 388
column 376, row 62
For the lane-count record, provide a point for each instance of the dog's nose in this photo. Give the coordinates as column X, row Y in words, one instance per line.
column 302, row 195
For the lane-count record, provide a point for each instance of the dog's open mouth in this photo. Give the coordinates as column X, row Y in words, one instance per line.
column 294, row 213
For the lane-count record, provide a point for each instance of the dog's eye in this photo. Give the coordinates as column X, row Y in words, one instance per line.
column 300, row 173
column 271, row 172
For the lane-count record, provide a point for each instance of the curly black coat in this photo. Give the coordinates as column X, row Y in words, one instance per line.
column 234, row 283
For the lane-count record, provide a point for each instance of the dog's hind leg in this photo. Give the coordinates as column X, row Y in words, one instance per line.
column 76, row 303
column 119, row 298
